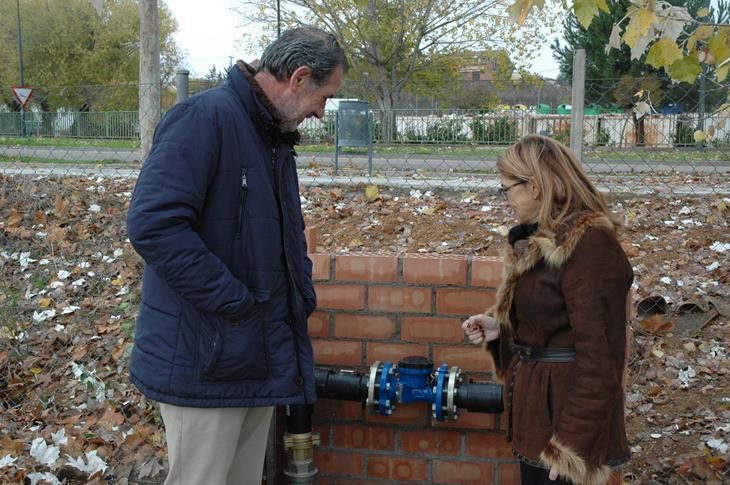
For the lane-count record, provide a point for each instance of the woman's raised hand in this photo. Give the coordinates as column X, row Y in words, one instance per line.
column 480, row 328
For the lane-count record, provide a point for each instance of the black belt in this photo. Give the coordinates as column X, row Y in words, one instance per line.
column 545, row 354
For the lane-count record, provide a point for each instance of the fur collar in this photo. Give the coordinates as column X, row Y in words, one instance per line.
column 555, row 248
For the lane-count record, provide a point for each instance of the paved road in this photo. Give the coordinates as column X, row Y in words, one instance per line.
column 638, row 185
column 428, row 163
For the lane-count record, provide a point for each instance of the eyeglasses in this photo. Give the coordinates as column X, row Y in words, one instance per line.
column 503, row 190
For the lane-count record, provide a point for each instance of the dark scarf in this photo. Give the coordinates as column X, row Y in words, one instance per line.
column 520, row 232
column 269, row 129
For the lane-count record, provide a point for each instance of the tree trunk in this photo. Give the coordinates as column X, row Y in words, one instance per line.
column 149, row 72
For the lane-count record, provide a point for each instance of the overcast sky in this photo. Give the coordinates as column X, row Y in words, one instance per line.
column 210, row 34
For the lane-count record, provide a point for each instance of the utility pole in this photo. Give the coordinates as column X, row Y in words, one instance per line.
column 278, row 18
column 20, row 68
column 149, row 72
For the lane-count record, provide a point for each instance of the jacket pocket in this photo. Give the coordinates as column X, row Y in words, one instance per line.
column 234, row 351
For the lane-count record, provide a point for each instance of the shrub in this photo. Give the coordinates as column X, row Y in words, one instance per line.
column 501, row 132
column 446, row 130
column 684, row 136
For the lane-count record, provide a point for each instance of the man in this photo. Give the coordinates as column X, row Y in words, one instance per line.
column 221, row 333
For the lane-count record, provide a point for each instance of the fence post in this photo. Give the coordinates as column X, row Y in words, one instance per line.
column 578, row 99
column 149, row 72
column 182, row 85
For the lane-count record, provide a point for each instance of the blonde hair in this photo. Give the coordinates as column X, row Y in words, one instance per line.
column 557, row 173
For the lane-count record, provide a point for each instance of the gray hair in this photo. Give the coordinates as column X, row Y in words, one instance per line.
column 304, row 46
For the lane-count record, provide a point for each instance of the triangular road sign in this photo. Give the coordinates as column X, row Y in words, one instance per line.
column 22, row 94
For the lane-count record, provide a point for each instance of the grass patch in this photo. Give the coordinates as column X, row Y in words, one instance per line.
column 67, row 142
column 57, row 161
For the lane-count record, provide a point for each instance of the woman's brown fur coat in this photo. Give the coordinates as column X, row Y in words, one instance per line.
column 566, row 290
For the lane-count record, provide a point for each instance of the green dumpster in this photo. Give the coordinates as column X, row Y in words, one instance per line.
column 564, row 109
column 543, row 109
column 592, row 109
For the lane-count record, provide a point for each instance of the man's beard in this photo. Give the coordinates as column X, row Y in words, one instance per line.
column 288, row 115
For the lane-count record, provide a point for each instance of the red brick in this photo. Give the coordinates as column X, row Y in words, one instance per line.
column 329, row 481
column 366, row 267
column 393, row 352
column 431, row 329
column 488, row 445
column 339, row 462
column 462, row 472
column 431, row 442
column 360, row 436
column 336, row 352
column 394, row 299
column 337, row 410
column 467, row 358
column 310, row 235
column 438, row 270
column 394, row 468
column 324, row 433
column 509, row 474
column 318, row 324
column 320, row 266
column 364, row 326
column 463, row 302
column 486, row 271
column 410, row 414
column 503, row 420
column 467, row 420
column 341, row 297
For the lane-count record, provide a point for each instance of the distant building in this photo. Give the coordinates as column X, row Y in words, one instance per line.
column 484, row 65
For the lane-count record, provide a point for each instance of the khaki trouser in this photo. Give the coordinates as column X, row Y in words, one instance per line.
column 216, row 446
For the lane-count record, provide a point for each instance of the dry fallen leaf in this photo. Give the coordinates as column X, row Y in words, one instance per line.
column 656, row 324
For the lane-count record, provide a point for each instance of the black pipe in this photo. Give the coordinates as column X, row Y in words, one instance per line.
column 484, row 397
column 299, row 418
column 343, row 385
column 481, row 397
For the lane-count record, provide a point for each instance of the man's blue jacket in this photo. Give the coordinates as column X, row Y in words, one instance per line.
column 227, row 282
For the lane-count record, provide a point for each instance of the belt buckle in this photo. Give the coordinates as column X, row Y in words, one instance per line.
column 525, row 351
column 528, row 352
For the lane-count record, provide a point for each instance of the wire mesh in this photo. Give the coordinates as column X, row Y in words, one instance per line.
column 75, row 147
column 88, row 130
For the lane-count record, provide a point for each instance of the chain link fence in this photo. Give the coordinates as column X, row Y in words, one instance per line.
column 639, row 135
column 69, row 280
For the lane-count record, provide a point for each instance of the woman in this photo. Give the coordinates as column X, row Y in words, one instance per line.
column 557, row 332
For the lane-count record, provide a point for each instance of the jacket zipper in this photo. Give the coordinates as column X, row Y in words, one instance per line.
column 242, row 192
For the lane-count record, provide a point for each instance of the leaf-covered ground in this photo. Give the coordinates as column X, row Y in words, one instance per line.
column 69, row 284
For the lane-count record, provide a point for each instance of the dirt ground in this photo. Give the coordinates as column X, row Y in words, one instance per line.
column 69, row 290
column 678, row 397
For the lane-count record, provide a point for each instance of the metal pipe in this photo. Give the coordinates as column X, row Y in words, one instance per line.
column 412, row 380
column 385, row 385
column 299, row 441
column 20, row 68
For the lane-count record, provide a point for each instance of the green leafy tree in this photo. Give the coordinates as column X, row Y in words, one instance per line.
column 401, row 45
column 604, row 66
column 682, row 43
column 79, row 58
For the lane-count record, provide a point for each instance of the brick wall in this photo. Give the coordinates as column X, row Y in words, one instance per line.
column 386, row 307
